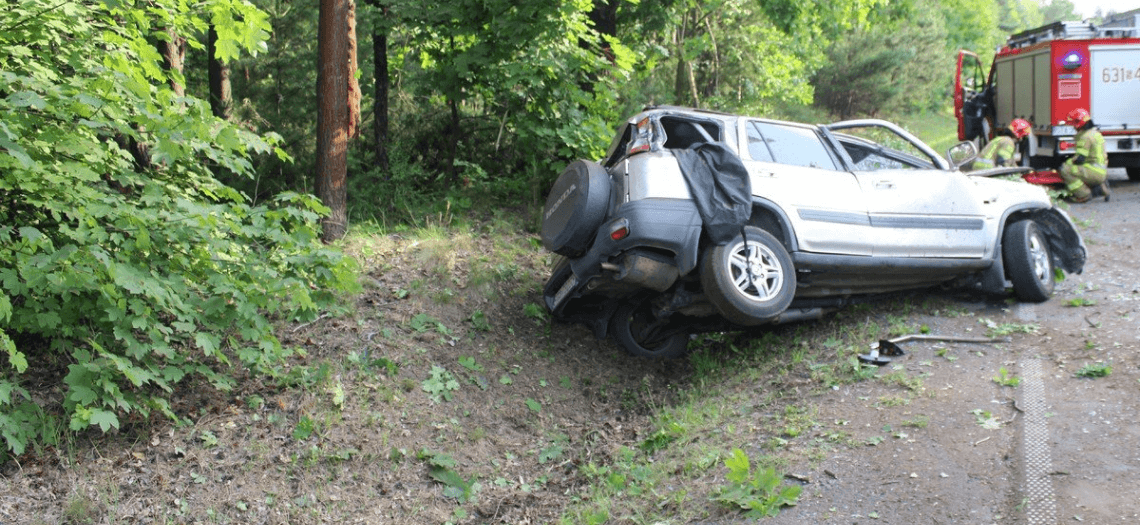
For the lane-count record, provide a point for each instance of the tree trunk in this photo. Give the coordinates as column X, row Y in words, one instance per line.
column 714, row 83
column 333, row 119
column 175, row 54
column 604, row 17
column 221, row 96
column 380, row 72
column 354, row 94
column 684, row 80
column 453, row 147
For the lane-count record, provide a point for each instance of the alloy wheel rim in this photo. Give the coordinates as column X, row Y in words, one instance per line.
column 756, row 272
column 1040, row 257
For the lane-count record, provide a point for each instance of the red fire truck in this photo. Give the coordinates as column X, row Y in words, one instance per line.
column 1042, row 74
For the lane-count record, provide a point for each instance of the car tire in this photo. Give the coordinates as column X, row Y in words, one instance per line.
column 642, row 334
column 575, row 207
column 1028, row 261
column 753, row 283
column 1133, row 173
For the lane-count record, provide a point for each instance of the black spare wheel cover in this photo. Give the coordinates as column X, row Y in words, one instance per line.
column 575, row 208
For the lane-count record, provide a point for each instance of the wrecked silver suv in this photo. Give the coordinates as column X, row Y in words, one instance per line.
column 701, row 221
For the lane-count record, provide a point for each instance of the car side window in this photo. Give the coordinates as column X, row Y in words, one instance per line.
column 757, row 148
column 789, row 145
column 874, row 148
column 867, row 159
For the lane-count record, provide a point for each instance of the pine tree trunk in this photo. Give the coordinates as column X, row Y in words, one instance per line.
column 333, row 115
column 380, row 72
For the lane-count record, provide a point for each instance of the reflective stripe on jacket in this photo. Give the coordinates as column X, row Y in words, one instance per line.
column 1090, row 143
column 1003, row 147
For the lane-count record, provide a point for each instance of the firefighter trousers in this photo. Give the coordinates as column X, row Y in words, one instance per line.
column 1080, row 180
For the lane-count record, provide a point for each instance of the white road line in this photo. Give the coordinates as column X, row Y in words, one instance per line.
column 1040, row 504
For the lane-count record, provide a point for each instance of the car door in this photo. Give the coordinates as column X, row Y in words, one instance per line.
column 791, row 166
column 915, row 206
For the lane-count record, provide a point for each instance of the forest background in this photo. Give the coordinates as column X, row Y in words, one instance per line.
column 158, row 159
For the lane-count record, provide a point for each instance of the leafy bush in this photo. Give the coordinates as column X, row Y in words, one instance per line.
column 756, row 492
column 122, row 271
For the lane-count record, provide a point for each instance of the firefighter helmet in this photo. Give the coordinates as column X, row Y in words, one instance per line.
column 1078, row 117
column 1020, row 127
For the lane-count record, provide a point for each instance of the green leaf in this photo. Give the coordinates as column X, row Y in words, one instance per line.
column 104, row 419
column 16, row 151
column 738, row 465
column 26, row 99
column 469, row 363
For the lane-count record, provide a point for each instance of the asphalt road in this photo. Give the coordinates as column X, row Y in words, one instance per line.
column 1059, row 447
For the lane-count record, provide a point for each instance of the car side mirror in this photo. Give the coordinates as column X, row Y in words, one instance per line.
column 962, row 153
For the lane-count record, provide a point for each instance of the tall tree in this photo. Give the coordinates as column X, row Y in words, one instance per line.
column 336, row 120
column 381, row 82
column 221, row 94
column 174, row 53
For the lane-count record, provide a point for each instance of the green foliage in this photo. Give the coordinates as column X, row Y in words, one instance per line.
column 551, row 453
column 757, row 492
column 861, row 371
column 495, row 97
column 887, row 66
column 125, row 274
column 986, row 419
column 662, row 438
column 535, row 312
column 1004, row 329
column 383, row 364
column 440, row 384
column 1094, row 370
column 441, row 467
column 469, row 363
column 422, row 322
column 305, row 428
column 479, row 321
column 1005, row 379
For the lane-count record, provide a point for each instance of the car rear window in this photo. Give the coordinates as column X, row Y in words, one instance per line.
column 787, row 145
column 681, row 133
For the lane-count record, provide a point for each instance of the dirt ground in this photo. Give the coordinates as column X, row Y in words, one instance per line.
column 448, row 377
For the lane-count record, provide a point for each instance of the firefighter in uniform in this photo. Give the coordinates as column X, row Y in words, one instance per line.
column 999, row 153
column 1085, row 173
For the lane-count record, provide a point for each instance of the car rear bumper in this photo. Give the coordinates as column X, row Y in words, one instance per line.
column 659, row 244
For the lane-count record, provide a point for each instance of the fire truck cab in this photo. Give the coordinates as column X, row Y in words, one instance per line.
column 1042, row 74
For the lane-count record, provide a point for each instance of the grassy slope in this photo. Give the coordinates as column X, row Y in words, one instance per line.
column 446, row 396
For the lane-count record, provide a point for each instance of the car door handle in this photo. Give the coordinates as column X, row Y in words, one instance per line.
column 884, row 184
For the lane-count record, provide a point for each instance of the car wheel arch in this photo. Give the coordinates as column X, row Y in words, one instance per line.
column 769, row 217
column 1060, row 232
column 766, row 215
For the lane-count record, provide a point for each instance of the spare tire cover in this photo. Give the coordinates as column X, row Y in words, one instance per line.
column 575, row 207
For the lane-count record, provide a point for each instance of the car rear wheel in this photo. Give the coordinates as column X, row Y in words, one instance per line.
column 1133, row 173
column 750, row 281
column 642, row 334
column 1028, row 262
